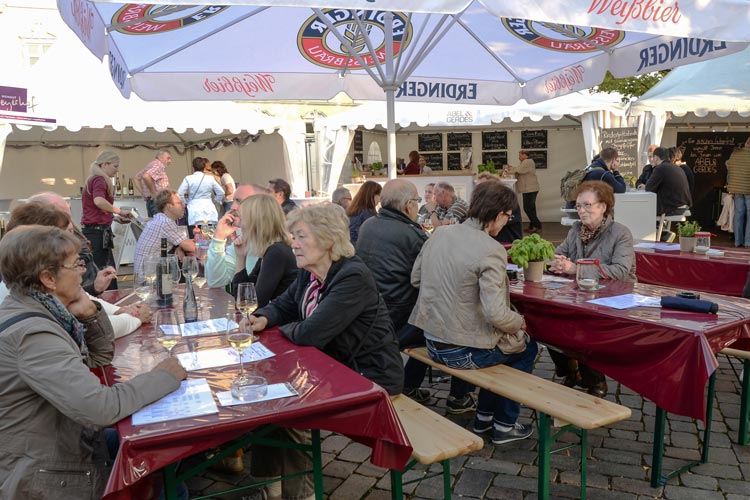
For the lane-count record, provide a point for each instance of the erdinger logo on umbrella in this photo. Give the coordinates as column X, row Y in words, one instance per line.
column 321, row 47
column 563, row 37
column 139, row 19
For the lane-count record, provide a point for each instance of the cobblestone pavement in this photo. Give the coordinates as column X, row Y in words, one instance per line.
column 618, row 467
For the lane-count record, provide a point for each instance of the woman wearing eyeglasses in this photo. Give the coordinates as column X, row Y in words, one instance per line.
column 595, row 236
column 97, row 201
column 53, row 410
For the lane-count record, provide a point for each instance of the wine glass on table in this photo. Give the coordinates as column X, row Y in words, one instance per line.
column 167, row 328
column 247, row 299
column 174, row 268
column 144, row 290
column 239, row 335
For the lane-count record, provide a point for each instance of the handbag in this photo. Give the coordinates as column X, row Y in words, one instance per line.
column 513, row 343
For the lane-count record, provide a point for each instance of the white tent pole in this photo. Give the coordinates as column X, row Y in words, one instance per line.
column 390, row 95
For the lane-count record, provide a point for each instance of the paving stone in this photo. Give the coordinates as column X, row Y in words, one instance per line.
column 355, row 486
column 738, row 487
column 635, row 486
column 683, row 426
column 430, row 488
column 339, row 468
column 592, row 480
column 595, row 494
column 618, row 456
column 718, row 471
column 723, row 456
column 533, row 471
column 497, row 493
column 684, row 440
column 699, row 481
column 367, row 469
column 330, row 483
column 335, row 443
column 379, row 495
column 492, row 465
column 683, row 453
column 473, row 482
column 672, row 492
column 385, row 482
column 627, row 445
column 617, row 470
column 515, row 482
column 355, row 452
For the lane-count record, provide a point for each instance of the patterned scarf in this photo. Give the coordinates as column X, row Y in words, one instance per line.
column 589, row 234
column 312, row 296
column 69, row 322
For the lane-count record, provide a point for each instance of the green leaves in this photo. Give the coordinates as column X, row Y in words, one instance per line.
column 688, row 229
column 529, row 249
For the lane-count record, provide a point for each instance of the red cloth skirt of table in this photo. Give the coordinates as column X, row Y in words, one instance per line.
column 725, row 275
column 664, row 355
column 331, row 397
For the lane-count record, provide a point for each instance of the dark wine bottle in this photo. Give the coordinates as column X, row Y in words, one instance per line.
column 131, row 189
column 189, row 305
column 163, row 278
column 118, row 187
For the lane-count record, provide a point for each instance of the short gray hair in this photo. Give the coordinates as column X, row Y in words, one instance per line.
column 445, row 187
column 396, row 194
column 329, row 225
column 339, row 193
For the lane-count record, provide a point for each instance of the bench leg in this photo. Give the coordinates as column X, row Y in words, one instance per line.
column 660, row 421
column 446, row 479
column 545, row 445
column 744, row 402
column 397, row 485
column 709, row 417
column 584, row 460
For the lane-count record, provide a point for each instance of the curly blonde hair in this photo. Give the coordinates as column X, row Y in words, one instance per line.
column 329, row 225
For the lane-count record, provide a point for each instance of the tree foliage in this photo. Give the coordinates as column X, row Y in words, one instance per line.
column 631, row 87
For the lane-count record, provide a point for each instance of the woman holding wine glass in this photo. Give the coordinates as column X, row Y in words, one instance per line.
column 263, row 228
column 595, row 236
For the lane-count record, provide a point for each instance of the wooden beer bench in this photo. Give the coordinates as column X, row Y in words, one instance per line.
column 573, row 411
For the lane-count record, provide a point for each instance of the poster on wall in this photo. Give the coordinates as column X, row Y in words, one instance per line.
column 539, row 157
column 434, row 160
column 499, row 158
column 706, row 154
column 533, row 139
column 495, row 139
column 459, row 140
column 625, row 141
column 430, row 142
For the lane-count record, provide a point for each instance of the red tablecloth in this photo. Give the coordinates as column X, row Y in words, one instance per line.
column 665, row 355
column 332, row 397
column 725, row 274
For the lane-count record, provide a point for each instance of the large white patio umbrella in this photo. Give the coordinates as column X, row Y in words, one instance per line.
column 480, row 52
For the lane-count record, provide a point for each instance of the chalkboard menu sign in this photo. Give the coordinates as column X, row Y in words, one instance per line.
column 533, row 139
column 430, row 142
column 625, row 141
column 454, row 161
column 706, row 153
column 434, row 160
column 500, row 158
column 458, row 141
column 359, row 143
column 497, row 139
column 539, row 157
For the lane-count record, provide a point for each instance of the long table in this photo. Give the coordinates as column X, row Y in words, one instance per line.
column 331, row 397
column 723, row 274
column 665, row 355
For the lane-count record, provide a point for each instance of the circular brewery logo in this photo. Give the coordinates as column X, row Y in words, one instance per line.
column 319, row 45
column 563, row 37
column 140, row 19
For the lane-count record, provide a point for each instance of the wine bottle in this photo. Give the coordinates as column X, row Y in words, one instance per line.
column 163, row 278
column 131, row 189
column 189, row 305
column 118, row 187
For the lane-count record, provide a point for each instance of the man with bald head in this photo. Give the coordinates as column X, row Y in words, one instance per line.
column 225, row 260
column 389, row 244
column 95, row 280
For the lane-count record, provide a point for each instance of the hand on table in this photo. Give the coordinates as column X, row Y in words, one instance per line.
column 104, row 278
column 172, row 366
column 563, row 265
column 257, row 323
column 140, row 310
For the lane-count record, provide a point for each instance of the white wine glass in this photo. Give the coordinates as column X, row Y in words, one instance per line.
column 239, row 335
column 247, row 300
column 174, row 268
column 144, row 289
column 167, row 329
column 147, row 273
column 190, row 266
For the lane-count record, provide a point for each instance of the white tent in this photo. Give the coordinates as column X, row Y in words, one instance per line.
column 596, row 111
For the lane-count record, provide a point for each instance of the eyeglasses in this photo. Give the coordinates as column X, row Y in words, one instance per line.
column 417, row 199
column 509, row 216
column 586, row 206
column 79, row 264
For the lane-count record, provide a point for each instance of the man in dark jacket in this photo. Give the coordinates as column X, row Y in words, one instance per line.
column 670, row 184
column 605, row 168
column 648, row 169
column 389, row 244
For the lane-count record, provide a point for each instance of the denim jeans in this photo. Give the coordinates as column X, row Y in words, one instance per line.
column 742, row 219
column 503, row 410
column 414, row 371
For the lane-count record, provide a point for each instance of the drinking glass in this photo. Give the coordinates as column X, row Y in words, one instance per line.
column 587, row 274
column 174, row 268
column 167, row 328
column 245, row 386
column 247, row 300
column 144, row 289
column 147, row 273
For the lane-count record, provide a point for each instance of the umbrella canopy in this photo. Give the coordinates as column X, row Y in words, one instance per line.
column 430, row 51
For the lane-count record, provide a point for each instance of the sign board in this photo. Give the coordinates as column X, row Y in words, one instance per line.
column 430, row 142
column 533, row 139
column 13, row 99
column 359, row 142
column 497, row 139
column 454, row 161
column 539, row 157
column 499, row 158
column 456, row 141
column 706, row 153
column 625, row 141
column 434, row 160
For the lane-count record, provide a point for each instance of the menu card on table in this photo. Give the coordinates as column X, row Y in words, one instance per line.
column 212, row 358
column 207, row 327
column 627, row 301
column 192, row 399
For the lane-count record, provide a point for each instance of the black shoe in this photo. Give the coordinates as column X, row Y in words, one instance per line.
column 571, row 380
column 418, row 395
column 480, row 426
column 464, row 405
column 598, row 389
column 516, row 433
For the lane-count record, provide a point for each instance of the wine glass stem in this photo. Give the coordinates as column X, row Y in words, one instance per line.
column 242, row 373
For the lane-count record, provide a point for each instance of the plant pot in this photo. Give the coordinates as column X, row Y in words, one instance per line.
column 534, row 271
column 687, row 243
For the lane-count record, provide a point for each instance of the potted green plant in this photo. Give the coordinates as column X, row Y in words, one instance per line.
column 686, row 231
column 489, row 166
column 530, row 252
column 377, row 167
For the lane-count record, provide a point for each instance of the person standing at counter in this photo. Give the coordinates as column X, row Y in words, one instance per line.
column 738, row 185
column 153, row 178
column 196, row 189
column 412, row 168
column 98, row 210
column 528, row 185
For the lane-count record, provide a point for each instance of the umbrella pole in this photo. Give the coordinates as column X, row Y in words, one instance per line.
column 390, row 103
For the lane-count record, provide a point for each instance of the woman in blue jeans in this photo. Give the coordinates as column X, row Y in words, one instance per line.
column 464, row 305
